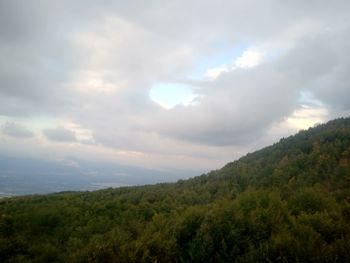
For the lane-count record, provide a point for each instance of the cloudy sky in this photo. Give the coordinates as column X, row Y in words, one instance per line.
column 168, row 84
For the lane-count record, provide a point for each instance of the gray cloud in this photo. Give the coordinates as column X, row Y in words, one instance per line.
column 60, row 134
column 322, row 64
column 16, row 130
column 234, row 109
column 94, row 64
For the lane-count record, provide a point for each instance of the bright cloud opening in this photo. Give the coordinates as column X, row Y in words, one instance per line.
column 307, row 116
column 168, row 95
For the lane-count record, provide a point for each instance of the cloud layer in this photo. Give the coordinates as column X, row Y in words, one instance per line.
column 16, row 130
column 82, row 73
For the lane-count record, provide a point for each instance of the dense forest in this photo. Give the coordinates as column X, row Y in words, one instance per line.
column 289, row 202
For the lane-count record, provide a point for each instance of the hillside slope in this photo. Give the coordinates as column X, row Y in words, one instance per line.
column 289, row 202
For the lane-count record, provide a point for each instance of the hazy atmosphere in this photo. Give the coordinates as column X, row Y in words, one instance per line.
column 152, row 91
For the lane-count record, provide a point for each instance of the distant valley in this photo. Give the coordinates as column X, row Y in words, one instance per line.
column 21, row 176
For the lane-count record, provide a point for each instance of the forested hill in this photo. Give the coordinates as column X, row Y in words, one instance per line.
column 289, row 202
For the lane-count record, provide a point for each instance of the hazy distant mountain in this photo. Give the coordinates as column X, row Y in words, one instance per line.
column 20, row 176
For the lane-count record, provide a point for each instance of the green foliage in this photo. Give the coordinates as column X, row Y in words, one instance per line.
column 289, row 202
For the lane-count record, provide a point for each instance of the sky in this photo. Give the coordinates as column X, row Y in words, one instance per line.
column 187, row 85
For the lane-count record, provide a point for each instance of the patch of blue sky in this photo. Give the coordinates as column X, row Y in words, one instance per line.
column 224, row 56
column 170, row 94
column 307, row 98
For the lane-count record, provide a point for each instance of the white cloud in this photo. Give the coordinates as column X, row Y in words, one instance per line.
column 249, row 59
column 92, row 83
column 213, row 73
